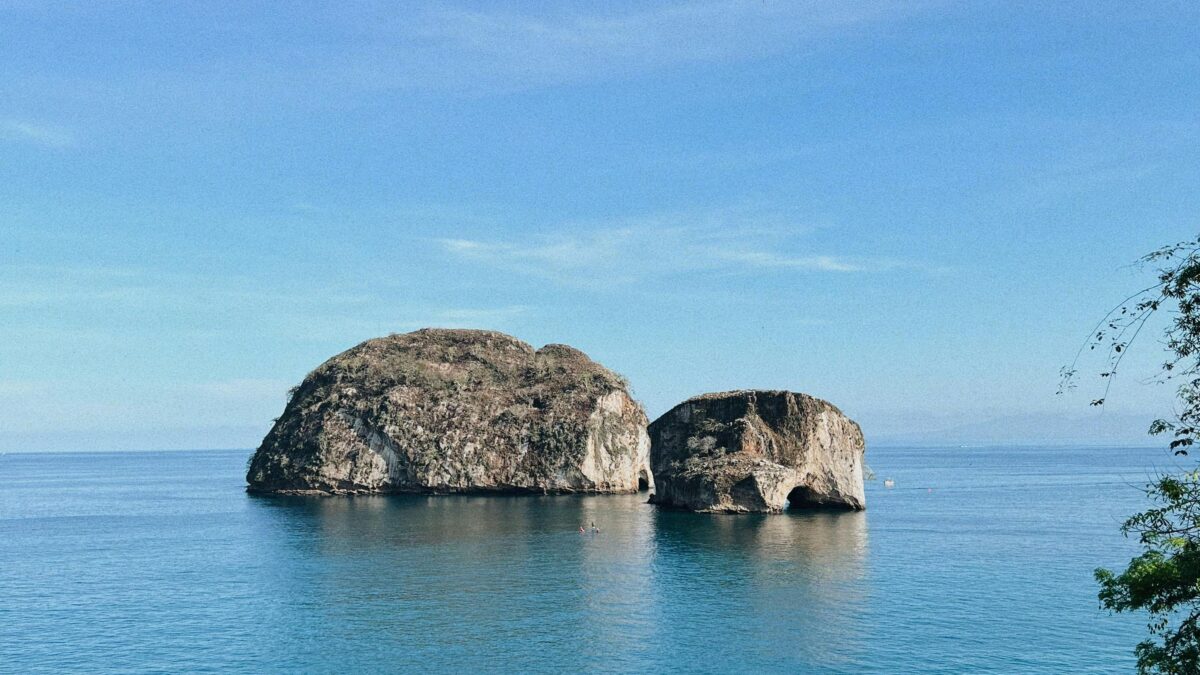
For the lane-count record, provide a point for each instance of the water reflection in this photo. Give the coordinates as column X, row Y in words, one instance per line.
column 815, row 537
column 802, row 575
column 438, row 579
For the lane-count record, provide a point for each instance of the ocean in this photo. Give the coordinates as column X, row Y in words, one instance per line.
column 977, row 560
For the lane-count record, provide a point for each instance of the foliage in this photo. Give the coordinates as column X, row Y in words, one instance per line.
column 1165, row 579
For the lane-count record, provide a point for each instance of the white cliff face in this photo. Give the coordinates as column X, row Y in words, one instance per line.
column 756, row 451
column 609, row 440
column 456, row 411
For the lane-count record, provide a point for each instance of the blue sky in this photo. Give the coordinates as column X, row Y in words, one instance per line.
column 915, row 210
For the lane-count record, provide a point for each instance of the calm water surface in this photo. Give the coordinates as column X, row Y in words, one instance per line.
column 979, row 560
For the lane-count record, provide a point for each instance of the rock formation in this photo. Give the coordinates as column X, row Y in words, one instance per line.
column 442, row 410
column 753, row 451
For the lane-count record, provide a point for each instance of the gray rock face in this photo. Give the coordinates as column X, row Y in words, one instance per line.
column 441, row 410
column 753, row 451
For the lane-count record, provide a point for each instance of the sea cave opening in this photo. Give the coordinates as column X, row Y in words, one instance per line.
column 800, row 498
column 643, row 482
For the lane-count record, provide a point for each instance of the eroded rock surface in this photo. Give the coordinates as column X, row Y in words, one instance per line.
column 754, row 451
column 441, row 410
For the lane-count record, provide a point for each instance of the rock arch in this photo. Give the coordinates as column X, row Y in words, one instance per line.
column 756, row 451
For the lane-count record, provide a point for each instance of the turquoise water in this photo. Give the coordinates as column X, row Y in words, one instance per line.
column 979, row 560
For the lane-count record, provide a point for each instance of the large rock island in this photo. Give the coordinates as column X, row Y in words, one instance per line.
column 755, row 451
column 441, row 410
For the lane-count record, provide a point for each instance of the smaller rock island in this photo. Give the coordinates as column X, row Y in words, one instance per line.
column 755, row 451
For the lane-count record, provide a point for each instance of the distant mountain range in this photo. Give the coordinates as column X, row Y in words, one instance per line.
column 1101, row 428
column 1098, row 428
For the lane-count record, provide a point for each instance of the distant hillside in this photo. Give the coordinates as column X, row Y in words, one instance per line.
column 1100, row 428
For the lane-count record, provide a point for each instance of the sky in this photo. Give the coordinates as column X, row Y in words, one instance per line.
column 915, row 210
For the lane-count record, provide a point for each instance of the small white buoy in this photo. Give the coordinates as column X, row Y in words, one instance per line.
column 889, row 483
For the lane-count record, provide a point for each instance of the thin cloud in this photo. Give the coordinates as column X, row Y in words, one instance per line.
column 26, row 297
column 592, row 251
column 474, row 47
column 30, row 286
column 468, row 317
column 37, row 134
column 765, row 259
column 609, row 256
column 480, row 49
column 469, row 49
column 484, row 315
